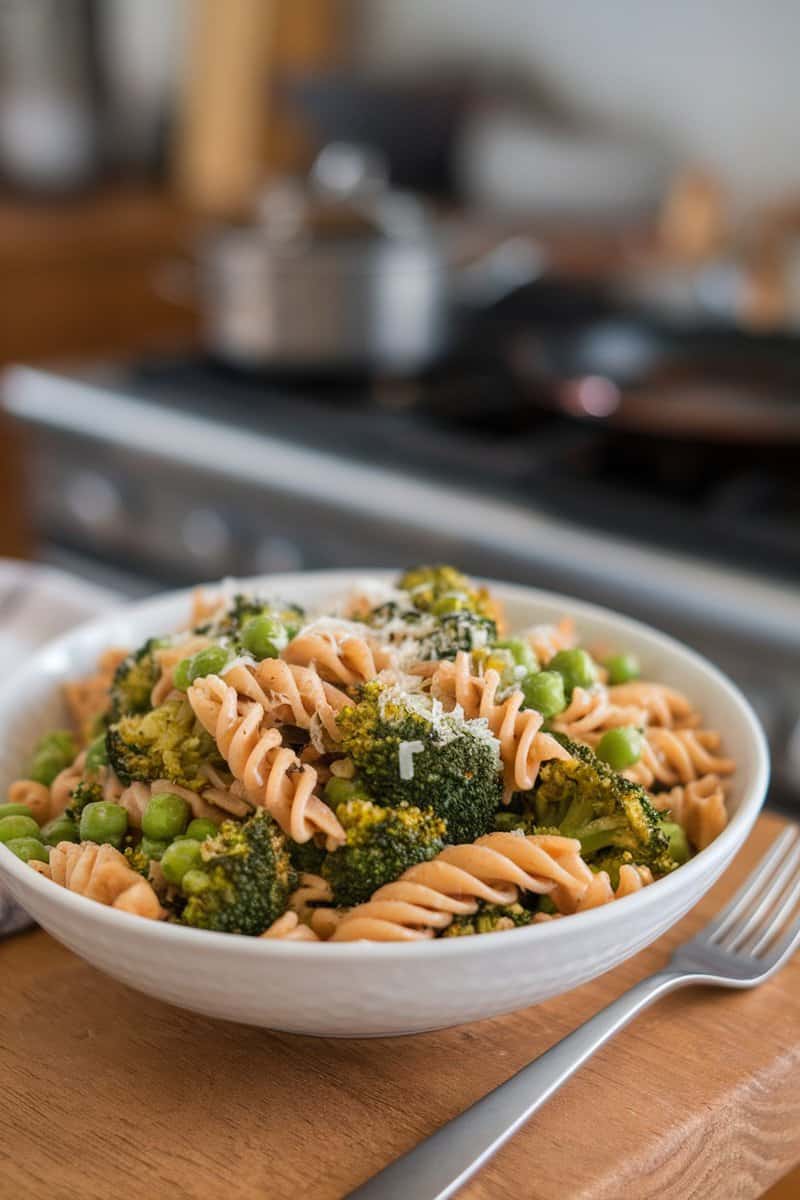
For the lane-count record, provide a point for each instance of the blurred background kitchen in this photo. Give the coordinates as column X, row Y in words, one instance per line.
column 294, row 283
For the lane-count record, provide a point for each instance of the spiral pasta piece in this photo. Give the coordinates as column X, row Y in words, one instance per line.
column 522, row 747
column 631, row 879
column 88, row 697
column 101, row 873
column 495, row 869
column 672, row 756
column 168, row 658
column 547, row 640
column 65, row 781
column 289, row 928
column 338, row 655
column 36, row 796
column 592, row 709
column 699, row 807
column 290, row 694
column 662, row 705
column 272, row 775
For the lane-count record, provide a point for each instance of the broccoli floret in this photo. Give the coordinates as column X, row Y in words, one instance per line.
column 307, row 857
column 489, row 918
column 610, row 861
column 85, row 792
column 453, row 765
column 137, row 859
column 243, row 608
column 381, row 844
column 437, row 636
column 245, row 881
column 443, row 589
column 134, row 680
column 584, row 798
column 166, row 743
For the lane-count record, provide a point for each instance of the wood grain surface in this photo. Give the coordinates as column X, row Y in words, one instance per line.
column 105, row 1093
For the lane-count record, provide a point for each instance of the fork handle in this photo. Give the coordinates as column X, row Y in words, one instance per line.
column 444, row 1162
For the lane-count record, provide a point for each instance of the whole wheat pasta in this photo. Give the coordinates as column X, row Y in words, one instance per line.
column 101, row 873
column 547, row 640
column 272, row 775
column 426, row 897
column 168, row 658
column 290, row 694
column 671, row 756
column 699, row 807
column 289, row 928
column 631, row 879
column 36, row 796
column 662, row 705
column 339, row 655
column 64, row 783
column 136, row 796
column 592, row 709
column 87, row 698
column 522, row 747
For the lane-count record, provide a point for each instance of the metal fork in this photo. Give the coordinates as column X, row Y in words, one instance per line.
column 748, row 942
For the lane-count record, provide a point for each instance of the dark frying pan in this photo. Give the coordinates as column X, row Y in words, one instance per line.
column 639, row 376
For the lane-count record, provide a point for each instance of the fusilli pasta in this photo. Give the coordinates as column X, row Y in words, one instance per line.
column 101, row 873
column 699, row 807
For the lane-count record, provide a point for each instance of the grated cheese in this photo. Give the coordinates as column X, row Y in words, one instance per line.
column 405, row 755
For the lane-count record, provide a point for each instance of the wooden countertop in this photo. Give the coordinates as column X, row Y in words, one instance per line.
column 104, row 1092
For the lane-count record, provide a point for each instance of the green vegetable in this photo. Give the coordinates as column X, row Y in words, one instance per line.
column 18, row 827
column 264, row 637
column 678, row 842
column 339, row 791
column 243, row 609
column 489, row 918
column 576, row 667
column 180, row 857
column 544, row 692
column 195, row 881
column 60, row 829
column 15, row 810
column 166, row 743
column 84, row 793
column 444, row 590
column 103, row 821
column 584, row 798
column 621, row 747
column 210, row 661
column 249, row 874
column 96, row 754
column 201, row 828
column 165, row 817
column 28, row 848
column 522, row 653
column 381, row 844
column 622, row 668
column 454, row 764
column 51, row 755
column 134, row 680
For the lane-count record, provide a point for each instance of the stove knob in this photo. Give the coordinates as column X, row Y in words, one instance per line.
column 206, row 536
column 277, row 554
column 93, row 500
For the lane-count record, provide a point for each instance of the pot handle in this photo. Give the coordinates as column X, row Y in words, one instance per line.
column 514, row 263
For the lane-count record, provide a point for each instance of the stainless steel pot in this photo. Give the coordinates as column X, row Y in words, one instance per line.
column 344, row 275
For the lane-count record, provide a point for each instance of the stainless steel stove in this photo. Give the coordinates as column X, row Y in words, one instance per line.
column 166, row 472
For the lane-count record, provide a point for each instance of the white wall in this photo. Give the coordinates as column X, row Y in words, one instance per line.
column 715, row 81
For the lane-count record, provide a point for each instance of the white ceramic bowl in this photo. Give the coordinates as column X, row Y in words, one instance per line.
column 359, row 989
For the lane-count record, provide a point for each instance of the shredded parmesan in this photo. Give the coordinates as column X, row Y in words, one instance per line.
column 405, row 754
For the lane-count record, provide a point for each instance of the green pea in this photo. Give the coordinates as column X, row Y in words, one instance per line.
column 194, row 882
column 339, row 791
column 27, row 848
column 165, row 816
column 153, row 847
column 577, row 668
column 264, row 637
column 621, row 747
column 60, row 829
column 97, row 754
column 206, row 662
column 678, row 842
column 102, row 821
column 522, row 654
column 180, row 857
column 453, row 602
column 15, row 810
column 201, row 828
column 18, row 827
column 52, row 754
column 544, row 691
column 622, row 668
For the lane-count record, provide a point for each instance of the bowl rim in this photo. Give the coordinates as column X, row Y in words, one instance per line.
column 721, row 850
